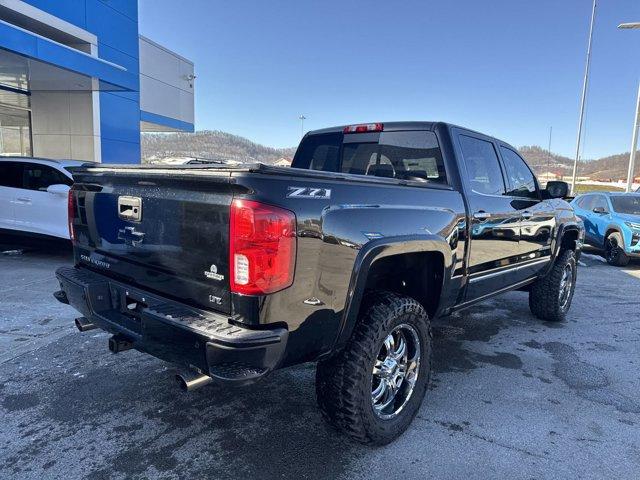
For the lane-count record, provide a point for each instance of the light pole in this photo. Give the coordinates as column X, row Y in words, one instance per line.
column 302, row 119
column 585, row 84
column 549, row 150
column 636, row 124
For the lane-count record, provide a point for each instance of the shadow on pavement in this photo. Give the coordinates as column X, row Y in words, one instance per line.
column 13, row 246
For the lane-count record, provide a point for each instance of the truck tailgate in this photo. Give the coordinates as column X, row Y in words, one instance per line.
column 164, row 233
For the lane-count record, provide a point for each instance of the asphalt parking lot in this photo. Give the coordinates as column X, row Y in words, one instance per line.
column 511, row 397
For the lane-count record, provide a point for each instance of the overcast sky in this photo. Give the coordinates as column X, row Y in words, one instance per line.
column 509, row 68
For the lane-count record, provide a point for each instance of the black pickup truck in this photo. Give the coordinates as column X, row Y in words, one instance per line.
column 232, row 272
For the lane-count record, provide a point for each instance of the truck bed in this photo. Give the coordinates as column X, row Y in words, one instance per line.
column 216, row 170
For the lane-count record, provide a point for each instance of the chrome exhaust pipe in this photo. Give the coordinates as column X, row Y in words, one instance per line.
column 84, row 325
column 190, row 381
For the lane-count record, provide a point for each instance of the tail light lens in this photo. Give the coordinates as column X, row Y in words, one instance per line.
column 262, row 249
column 71, row 210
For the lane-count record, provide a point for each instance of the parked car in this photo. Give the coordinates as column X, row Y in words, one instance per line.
column 234, row 271
column 33, row 196
column 612, row 224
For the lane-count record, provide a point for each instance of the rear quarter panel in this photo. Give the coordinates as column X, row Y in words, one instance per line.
column 332, row 232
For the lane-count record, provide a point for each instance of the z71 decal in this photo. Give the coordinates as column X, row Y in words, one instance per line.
column 309, row 192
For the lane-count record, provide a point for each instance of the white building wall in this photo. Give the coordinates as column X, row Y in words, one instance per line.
column 62, row 125
column 166, row 82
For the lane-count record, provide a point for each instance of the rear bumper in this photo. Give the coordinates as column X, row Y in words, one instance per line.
column 172, row 331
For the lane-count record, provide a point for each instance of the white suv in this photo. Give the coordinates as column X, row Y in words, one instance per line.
column 33, row 196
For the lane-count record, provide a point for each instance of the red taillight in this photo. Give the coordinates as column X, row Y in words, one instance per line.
column 363, row 128
column 262, row 248
column 71, row 214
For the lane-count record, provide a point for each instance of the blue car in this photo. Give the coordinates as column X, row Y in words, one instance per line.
column 611, row 223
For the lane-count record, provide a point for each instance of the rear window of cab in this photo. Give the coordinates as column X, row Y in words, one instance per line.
column 404, row 155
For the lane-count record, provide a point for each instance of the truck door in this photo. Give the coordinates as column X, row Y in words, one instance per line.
column 538, row 217
column 495, row 222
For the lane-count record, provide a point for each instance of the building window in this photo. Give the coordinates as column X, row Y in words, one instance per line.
column 15, row 131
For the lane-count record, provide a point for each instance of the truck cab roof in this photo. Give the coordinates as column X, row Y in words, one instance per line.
column 405, row 126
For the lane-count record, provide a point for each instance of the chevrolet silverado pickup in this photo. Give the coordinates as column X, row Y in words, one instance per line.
column 231, row 272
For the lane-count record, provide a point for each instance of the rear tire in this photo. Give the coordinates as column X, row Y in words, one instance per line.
column 614, row 250
column 362, row 391
column 550, row 297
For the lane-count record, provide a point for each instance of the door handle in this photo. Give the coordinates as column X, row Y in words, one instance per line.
column 481, row 215
column 23, row 200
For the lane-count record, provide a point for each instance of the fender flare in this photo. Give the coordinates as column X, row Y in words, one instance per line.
column 562, row 230
column 381, row 248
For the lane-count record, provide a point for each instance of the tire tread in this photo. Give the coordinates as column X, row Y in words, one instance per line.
column 340, row 379
column 543, row 296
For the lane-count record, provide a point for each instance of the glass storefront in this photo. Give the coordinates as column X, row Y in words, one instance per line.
column 15, row 124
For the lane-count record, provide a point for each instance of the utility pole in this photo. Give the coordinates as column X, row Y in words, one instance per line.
column 585, row 85
column 302, row 119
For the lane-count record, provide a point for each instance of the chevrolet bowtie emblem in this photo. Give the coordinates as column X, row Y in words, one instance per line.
column 130, row 236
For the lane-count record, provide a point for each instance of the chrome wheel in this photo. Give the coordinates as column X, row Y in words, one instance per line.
column 566, row 286
column 395, row 371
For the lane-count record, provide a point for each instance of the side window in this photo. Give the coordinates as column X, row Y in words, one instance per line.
column 11, row 174
column 39, row 177
column 600, row 202
column 522, row 183
column 319, row 152
column 583, row 202
column 483, row 167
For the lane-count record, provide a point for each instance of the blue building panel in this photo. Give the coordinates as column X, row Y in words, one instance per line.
column 112, row 28
column 130, row 63
column 18, row 40
column 110, row 54
column 120, row 118
column 114, row 151
column 126, row 7
column 72, row 11
column 115, row 24
column 32, row 46
column 166, row 121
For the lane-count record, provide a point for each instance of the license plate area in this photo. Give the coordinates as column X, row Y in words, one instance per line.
column 127, row 308
column 133, row 306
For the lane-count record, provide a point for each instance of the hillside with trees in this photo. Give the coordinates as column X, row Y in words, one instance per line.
column 613, row 167
column 217, row 145
column 210, row 145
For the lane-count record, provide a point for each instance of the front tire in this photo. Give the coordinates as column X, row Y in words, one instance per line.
column 550, row 297
column 372, row 390
column 614, row 250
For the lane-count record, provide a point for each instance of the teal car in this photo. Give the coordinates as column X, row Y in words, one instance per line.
column 612, row 224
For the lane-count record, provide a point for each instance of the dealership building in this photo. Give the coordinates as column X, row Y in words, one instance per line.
column 78, row 81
